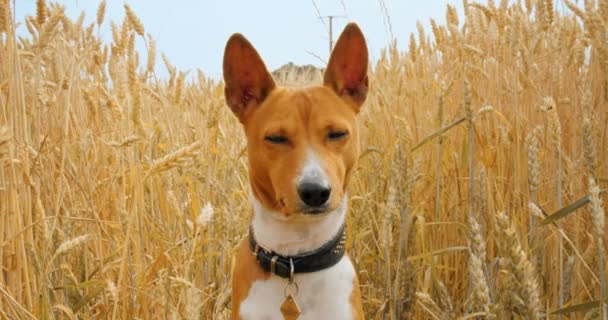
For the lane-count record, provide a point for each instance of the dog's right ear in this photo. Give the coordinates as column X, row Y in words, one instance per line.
column 246, row 79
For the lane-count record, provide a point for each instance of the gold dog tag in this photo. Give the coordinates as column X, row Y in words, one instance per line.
column 290, row 308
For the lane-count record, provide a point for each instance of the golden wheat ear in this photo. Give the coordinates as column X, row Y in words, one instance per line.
column 346, row 71
column 247, row 81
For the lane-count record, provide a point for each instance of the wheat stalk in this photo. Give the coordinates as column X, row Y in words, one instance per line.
column 588, row 141
column 468, row 109
column 480, row 292
column 569, row 277
column 193, row 302
column 387, row 227
column 4, row 16
column 5, row 139
column 41, row 12
column 522, row 290
column 69, row 245
column 151, row 55
column 598, row 217
column 533, row 173
column 556, row 137
column 439, row 152
column 134, row 20
column 408, row 284
column 101, row 12
column 174, row 159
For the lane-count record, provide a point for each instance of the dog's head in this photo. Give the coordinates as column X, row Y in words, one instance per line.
column 302, row 143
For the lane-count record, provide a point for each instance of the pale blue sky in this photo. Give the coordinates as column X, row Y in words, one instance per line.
column 193, row 33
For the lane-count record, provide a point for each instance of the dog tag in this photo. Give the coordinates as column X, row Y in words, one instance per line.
column 290, row 308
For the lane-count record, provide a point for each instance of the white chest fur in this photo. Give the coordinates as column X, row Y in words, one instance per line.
column 322, row 295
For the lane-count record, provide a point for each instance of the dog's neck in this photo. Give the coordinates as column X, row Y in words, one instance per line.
column 289, row 237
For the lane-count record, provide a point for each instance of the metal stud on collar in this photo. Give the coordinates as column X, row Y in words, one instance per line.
column 341, row 244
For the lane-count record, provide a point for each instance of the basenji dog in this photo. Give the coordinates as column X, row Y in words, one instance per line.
column 302, row 145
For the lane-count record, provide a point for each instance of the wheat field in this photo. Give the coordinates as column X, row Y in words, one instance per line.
column 478, row 195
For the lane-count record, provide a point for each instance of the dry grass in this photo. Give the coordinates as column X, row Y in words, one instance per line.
column 123, row 196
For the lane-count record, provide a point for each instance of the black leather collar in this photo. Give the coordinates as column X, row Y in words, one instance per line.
column 326, row 256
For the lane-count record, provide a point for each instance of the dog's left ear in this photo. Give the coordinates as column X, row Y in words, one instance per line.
column 346, row 71
column 246, row 79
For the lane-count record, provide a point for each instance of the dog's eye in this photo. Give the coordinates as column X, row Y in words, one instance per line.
column 276, row 139
column 336, row 135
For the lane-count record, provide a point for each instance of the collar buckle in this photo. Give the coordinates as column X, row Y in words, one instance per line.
column 259, row 247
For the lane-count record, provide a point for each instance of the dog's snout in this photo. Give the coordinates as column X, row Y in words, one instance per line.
column 313, row 194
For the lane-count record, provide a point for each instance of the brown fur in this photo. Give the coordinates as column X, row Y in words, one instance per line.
column 245, row 272
column 305, row 117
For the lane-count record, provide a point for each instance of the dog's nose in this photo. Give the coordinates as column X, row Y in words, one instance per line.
column 313, row 194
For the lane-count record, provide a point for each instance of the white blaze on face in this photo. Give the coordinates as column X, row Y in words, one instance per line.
column 312, row 171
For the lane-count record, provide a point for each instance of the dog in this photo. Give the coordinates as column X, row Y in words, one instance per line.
column 302, row 145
